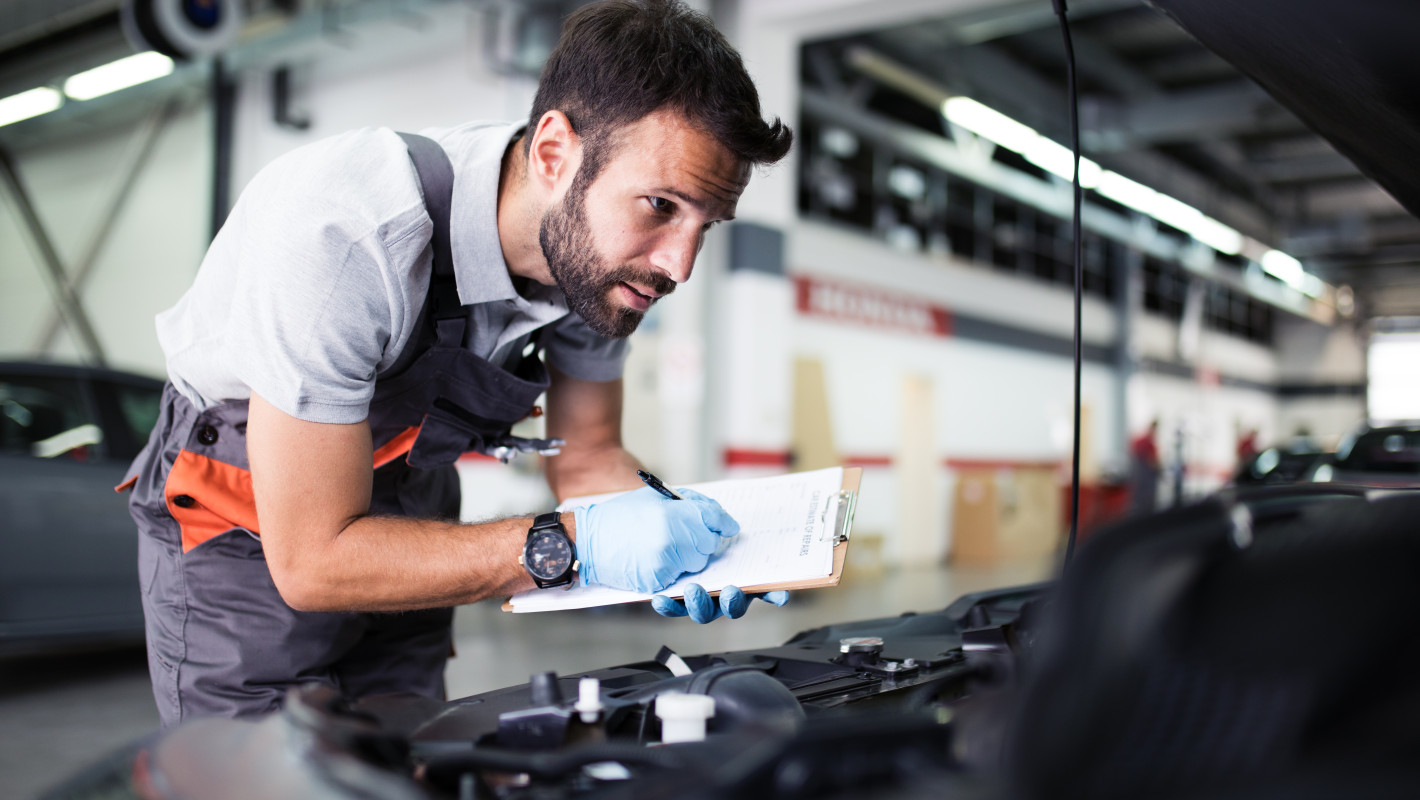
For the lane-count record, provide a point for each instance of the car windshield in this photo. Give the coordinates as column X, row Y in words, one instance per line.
column 139, row 406
column 45, row 417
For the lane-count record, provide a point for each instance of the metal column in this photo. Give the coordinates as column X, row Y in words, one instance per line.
column 138, row 157
column 224, row 101
column 65, row 298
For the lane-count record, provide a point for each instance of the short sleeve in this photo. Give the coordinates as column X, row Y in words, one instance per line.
column 578, row 351
column 319, row 305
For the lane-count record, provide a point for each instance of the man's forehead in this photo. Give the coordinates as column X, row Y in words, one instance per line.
column 680, row 159
column 715, row 185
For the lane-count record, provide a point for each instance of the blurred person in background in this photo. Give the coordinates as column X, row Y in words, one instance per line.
column 1246, row 444
column 1144, row 470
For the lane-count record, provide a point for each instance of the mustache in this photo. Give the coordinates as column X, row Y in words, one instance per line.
column 658, row 282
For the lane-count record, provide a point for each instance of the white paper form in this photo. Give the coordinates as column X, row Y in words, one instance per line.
column 784, row 536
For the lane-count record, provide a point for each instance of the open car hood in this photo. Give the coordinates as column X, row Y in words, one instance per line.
column 1346, row 69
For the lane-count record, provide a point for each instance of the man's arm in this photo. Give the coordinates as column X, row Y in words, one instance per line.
column 312, row 483
column 587, row 414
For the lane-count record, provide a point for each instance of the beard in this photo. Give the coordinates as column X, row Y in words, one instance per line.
column 585, row 277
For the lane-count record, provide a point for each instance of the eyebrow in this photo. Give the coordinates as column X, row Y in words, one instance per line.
column 690, row 200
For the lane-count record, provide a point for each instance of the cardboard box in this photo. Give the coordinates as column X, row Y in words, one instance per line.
column 1005, row 514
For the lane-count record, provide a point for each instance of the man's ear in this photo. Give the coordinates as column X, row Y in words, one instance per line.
column 555, row 152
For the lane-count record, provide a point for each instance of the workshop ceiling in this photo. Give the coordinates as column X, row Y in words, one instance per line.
column 1157, row 106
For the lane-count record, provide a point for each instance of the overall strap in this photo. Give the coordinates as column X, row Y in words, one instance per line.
column 442, row 315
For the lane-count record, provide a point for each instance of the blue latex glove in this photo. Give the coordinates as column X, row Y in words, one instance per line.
column 701, row 607
column 642, row 541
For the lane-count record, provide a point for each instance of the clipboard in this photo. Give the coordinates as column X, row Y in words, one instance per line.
column 841, row 506
column 837, row 514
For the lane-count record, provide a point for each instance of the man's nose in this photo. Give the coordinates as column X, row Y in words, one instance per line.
column 675, row 254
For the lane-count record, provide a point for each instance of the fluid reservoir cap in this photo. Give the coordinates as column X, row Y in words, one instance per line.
column 861, row 644
column 683, row 716
column 589, row 700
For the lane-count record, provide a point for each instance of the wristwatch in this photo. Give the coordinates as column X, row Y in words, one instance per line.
column 549, row 555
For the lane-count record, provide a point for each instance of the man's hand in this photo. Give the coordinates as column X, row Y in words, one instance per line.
column 701, row 607
column 642, row 542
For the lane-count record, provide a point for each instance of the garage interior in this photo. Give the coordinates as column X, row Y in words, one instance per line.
column 895, row 296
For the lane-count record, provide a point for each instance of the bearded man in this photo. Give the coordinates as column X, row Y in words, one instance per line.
column 378, row 304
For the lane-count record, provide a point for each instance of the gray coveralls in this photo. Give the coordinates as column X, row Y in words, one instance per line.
column 221, row 641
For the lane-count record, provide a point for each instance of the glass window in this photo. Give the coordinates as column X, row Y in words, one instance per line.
column 1393, row 381
column 1383, row 450
column 46, row 417
column 140, row 406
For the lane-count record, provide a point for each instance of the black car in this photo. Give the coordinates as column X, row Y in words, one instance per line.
column 69, row 576
column 1280, row 465
column 1386, row 456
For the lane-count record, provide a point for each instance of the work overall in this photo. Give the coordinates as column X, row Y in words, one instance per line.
column 220, row 639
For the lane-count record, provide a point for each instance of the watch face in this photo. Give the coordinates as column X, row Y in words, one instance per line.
column 547, row 555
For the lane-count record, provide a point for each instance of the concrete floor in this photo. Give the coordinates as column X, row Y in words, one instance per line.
column 60, row 713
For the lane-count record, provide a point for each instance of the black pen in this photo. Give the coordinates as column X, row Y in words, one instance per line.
column 655, row 483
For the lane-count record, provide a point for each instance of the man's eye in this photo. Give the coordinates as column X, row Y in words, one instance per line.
column 660, row 205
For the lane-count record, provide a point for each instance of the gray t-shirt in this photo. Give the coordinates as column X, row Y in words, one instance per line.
column 315, row 282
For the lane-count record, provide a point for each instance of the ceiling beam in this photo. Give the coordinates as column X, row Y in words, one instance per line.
column 1189, row 116
column 1338, row 199
column 1328, row 168
column 1013, row 18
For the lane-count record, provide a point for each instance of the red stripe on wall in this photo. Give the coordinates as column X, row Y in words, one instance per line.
column 985, row 463
column 744, row 457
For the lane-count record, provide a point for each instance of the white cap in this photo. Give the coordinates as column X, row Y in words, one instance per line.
column 683, row 716
column 589, row 699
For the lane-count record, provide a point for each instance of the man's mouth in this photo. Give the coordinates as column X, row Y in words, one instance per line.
column 650, row 294
column 636, row 298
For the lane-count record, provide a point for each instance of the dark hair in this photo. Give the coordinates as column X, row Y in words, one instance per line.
column 619, row 60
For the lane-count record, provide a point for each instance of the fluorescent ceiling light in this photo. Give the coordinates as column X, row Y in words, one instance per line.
column 1058, row 159
column 1127, row 193
column 1218, row 236
column 1175, row 212
column 1049, row 155
column 119, row 74
column 1312, row 286
column 989, row 123
column 28, row 104
column 1284, row 268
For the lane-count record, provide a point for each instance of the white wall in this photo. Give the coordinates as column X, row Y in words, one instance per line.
column 1312, row 355
column 147, row 261
column 392, row 73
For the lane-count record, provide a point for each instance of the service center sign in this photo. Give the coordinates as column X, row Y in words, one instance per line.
column 855, row 304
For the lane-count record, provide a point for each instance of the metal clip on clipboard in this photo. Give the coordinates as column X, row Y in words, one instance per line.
column 839, row 508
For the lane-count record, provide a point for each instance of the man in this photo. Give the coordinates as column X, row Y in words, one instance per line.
column 1144, row 470
column 342, row 345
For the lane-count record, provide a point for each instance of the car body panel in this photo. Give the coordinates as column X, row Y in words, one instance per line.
column 67, row 434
